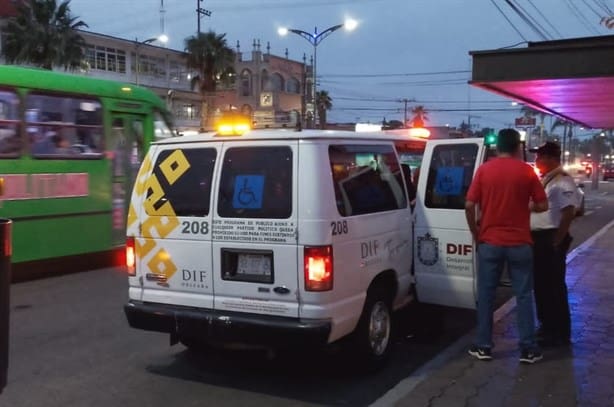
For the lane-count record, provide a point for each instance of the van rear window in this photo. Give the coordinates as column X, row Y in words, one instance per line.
column 256, row 182
column 182, row 178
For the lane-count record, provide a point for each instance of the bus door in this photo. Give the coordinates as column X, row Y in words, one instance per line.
column 444, row 261
column 127, row 149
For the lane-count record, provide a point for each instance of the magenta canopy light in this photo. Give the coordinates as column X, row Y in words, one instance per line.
column 573, row 79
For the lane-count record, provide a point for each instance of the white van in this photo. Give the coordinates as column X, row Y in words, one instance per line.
column 280, row 236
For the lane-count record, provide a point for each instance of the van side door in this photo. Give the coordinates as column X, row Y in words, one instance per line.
column 444, row 261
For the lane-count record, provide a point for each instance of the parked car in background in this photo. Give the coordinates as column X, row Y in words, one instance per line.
column 607, row 172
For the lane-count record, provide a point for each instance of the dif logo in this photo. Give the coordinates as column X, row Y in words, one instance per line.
column 459, row 249
column 194, row 276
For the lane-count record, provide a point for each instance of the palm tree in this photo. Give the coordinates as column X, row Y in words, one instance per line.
column 420, row 116
column 209, row 55
column 44, row 34
column 323, row 104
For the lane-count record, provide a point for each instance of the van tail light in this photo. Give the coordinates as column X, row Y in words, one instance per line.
column 130, row 256
column 318, row 268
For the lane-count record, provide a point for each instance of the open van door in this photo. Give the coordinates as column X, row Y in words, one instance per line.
column 445, row 261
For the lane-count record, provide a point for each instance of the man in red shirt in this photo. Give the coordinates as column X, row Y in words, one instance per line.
column 505, row 189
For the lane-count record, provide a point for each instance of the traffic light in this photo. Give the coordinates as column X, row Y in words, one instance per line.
column 490, row 139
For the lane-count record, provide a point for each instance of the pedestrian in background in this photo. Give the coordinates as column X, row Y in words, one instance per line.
column 503, row 189
column 550, row 232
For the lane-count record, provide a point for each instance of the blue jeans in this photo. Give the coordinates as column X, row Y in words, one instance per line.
column 491, row 260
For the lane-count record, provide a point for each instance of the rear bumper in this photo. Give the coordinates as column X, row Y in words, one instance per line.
column 225, row 326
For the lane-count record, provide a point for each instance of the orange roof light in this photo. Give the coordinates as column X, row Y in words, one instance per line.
column 419, row 132
column 233, row 124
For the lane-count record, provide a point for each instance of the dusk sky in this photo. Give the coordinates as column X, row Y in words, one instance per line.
column 402, row 49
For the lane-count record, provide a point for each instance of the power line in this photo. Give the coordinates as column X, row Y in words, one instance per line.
column 597, row 13
column 395, row 74
column 508, row 20
column 545, row 18
column 526, row 20
column 574, row 9
column 604, row 6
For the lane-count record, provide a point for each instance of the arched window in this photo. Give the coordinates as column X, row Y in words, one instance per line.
column 277, row 82
column 293, row 86
column 246, row 83
column 265, row 81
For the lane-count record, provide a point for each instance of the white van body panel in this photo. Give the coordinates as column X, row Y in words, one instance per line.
column 258, row 235
column 445, row 261
column 363, row 245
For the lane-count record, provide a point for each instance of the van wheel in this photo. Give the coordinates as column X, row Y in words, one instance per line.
column 373, row 335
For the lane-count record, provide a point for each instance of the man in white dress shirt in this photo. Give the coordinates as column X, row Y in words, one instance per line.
column 550, row 233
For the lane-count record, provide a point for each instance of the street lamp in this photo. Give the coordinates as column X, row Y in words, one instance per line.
column 315, row 39
column 163, row 38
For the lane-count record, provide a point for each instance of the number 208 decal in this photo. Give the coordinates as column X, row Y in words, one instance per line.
column 339, row 228
column 195, row 227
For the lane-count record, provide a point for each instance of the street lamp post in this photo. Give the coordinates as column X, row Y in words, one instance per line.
column 162, row 38
column 315, row 39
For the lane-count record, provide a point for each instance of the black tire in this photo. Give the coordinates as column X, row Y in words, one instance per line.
column 373, row 336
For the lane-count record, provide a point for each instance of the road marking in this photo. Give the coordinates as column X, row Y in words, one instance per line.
column 405, row 386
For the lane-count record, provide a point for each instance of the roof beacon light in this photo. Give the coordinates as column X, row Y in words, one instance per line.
column 233, row 125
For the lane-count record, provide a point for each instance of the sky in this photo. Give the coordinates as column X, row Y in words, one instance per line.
column 403, row 52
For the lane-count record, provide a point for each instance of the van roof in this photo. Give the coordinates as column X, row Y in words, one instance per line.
column 288, row 134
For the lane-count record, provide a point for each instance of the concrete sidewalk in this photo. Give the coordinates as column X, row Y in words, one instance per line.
column 579, row 375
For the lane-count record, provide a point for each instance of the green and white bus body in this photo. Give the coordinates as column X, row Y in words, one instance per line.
column 70, row 147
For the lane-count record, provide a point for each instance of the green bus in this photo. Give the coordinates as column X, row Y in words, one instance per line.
column 70, row 147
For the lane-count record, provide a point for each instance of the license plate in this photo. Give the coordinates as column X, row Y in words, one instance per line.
column 254, row 264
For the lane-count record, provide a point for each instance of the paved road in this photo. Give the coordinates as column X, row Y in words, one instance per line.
column 71, row 346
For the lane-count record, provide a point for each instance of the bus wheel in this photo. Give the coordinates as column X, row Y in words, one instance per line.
column 373, row 336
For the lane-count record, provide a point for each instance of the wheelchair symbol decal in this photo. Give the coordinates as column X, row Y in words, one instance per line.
column 449, row 181
column 248, row 191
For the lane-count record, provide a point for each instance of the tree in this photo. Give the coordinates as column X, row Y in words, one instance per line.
column 210, row 56
column 323, row 104
column 45, row 35
column 420, row 116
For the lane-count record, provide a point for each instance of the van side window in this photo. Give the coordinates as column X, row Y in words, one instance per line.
column 183, row 180
column 449, row 175
column 256, row 182
column 366, row 179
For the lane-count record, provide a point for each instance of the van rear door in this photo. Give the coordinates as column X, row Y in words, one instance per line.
column 255, row 255
column 174, row 244
column 444, row 261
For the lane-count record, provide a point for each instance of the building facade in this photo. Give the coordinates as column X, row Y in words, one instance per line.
column 269, row 88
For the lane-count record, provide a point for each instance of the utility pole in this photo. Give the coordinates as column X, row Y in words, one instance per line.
column 405, row 101
column 199, row 13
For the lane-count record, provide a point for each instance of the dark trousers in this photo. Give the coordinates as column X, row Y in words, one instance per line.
column 549, row 268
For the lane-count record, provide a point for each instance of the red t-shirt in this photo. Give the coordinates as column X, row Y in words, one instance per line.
column 503, row 188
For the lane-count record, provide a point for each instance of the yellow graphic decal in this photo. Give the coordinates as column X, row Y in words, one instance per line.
column 157, row 195
column 143, row 249
column 161, row 264
column 162, row 224
column 132, row 216
column 141, row 178
column 158, row 219
column 174, row 166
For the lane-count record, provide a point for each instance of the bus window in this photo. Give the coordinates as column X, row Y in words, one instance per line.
column 10, row 142
column 161, row 129
column 64, row 126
